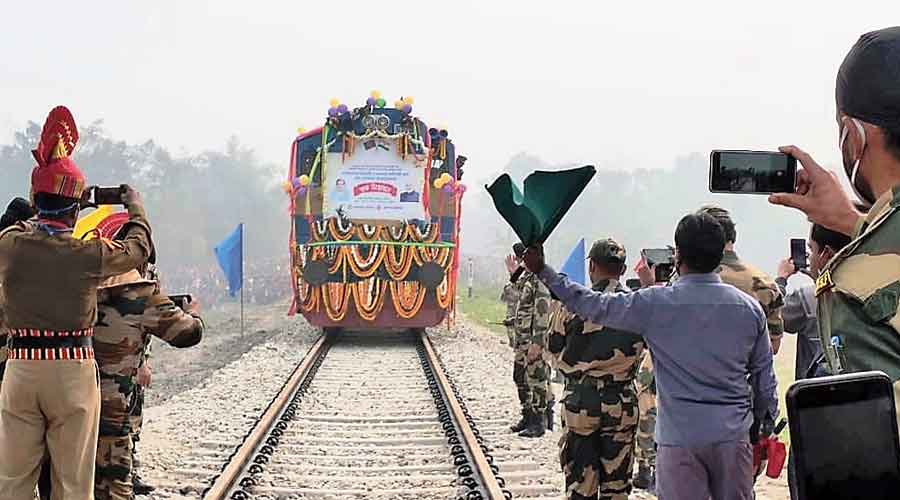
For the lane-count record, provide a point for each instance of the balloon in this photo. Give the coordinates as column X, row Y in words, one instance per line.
column 461, row 188
column 301, row 190
column 398, row 104
column 342, row 109
column 334, row 102
column 303, row 180
column 286, row 186
column 380, row 102
column 375, row 94
column 295, row 183
column 371, row 101
column 438, row 184
column 301, row 131
column 408, row 100
column 407, row 108
column 332, row 112
column 446, row 177
column 448, row 188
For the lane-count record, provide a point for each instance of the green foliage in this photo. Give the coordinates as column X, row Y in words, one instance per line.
column 484, row 308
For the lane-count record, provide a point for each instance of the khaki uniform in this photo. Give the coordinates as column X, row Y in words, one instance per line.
column 758, row 285
column 510, row 297
column 858, row 296
column 128, row 316
column 50, row 398
column 600, row 404
column 532, row 324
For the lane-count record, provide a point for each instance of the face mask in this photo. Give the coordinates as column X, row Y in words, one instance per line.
column 845, row 131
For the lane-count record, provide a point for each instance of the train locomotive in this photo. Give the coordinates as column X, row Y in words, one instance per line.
column 375, row 199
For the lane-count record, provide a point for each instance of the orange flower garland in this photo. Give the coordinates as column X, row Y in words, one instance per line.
column 408, row 297
column 369, row 297
column 336, row 297
column 364, row 267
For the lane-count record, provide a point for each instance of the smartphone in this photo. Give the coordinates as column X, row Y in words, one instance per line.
column 663, row 259
column 181, row 300
column 798, row 253
column 844, row 437
column 108, row 195
column 751, row 172
column 633, row 284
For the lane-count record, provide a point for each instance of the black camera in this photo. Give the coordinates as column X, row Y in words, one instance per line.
column 181, row 300
column 664, row 261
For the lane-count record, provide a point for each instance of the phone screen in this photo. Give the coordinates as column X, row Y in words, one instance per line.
column 798, row 252
column 845, row 440
column 751, row 172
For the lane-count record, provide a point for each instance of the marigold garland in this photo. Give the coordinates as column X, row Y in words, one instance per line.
column 369, row 298
column 336, row 297
column 363, row 267
column 408, row 297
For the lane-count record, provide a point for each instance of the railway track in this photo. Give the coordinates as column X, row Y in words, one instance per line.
column 368, row 416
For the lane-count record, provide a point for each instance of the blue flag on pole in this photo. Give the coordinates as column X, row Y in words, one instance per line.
column 230, row 254
column 574, row 266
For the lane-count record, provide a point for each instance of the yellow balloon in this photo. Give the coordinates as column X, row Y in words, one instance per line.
column 286, row 186
column 304, row 180
column 437, row 183
column 398, row 104
column 408, row 100
column 376, row 94
column 334, row 102
column 301, row 131
column 445, row 177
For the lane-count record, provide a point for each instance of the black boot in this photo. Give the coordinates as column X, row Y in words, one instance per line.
column 140, row 487
column 550, row 417
column 536, row 425
column 644, row 477
column 521, row 424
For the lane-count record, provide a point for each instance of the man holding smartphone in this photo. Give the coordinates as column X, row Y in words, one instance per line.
column 858, row 292
column 705, row 407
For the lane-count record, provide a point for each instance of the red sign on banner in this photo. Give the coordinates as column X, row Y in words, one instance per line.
column 374, row 187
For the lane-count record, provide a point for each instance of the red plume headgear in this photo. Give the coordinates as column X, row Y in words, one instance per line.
column 55, row 172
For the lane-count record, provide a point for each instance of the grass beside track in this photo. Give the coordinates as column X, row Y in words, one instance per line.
column 486, row 309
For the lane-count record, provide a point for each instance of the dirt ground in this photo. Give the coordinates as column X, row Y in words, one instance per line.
column 176, row 370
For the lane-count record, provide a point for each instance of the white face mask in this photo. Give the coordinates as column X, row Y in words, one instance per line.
column 845, row 131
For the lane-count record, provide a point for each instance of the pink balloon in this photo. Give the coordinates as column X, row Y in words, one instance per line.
column 461, row 188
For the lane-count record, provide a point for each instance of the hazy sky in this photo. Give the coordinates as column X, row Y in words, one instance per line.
column 619, row 84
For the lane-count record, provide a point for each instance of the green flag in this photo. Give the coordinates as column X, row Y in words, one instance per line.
column 547, row 197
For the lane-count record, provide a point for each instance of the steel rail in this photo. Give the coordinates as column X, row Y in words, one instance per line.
column 483, row 469
column 228, row 479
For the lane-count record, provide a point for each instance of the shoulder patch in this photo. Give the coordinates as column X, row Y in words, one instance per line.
column 824, row 283
column 862, row 275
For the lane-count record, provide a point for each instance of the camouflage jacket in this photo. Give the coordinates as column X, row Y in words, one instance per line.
column 585, row 349
column 510, row 296
column 858, row 296
column 757, row 284
column 532, row 321
column 127, row 317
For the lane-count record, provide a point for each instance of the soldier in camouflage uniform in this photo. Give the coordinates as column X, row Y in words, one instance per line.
column 645, row 441
column 510, row 296
column 600, row 406
column 858, row 292
column 532, row 323
column 137, row 421
column 131, row 309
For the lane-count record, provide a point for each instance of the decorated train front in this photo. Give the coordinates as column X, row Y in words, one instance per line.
column 375, row 205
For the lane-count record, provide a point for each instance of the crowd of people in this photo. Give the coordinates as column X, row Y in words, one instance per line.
column 266, row 281
column 701, row 343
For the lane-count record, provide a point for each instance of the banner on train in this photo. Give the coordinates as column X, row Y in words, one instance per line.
column 375, row 183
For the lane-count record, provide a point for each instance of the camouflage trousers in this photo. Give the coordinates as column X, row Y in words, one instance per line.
column 645, row 449
column 113, row 479
column 596, row 451
column 532, row 381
